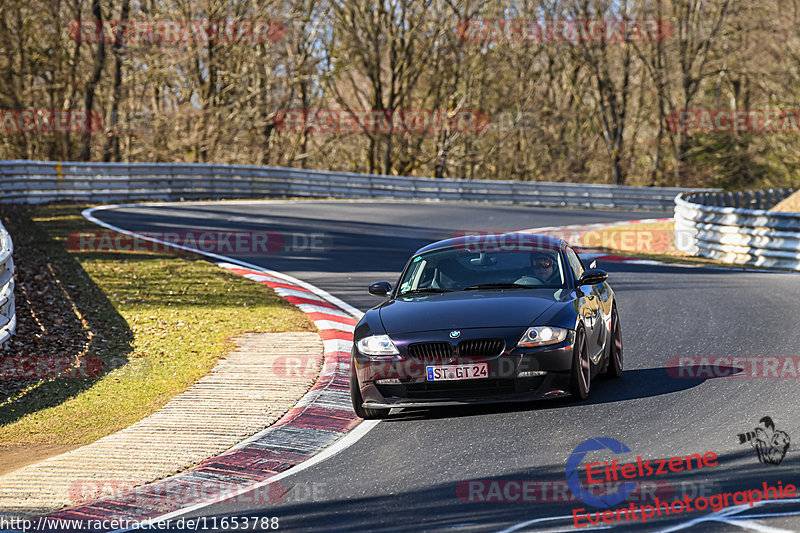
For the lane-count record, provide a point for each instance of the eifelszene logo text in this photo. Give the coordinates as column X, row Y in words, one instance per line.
column 606, row 472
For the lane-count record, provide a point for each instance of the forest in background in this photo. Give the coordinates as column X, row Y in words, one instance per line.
column 580, row 110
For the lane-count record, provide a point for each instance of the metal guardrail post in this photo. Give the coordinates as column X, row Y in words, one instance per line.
column 8, row 315
column 39, row 181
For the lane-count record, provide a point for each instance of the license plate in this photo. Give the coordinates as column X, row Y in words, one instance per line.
column 448, row 372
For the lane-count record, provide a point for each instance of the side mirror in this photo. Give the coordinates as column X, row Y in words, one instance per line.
column 593, row 276
column 380, row 288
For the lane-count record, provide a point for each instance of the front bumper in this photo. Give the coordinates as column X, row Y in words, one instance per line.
column 400, row 381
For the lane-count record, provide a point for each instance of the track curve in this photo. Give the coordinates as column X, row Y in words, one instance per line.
column 409, row 472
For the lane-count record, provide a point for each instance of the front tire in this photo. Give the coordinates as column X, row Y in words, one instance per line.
column 358, row 402
column 615, row 359
column 581, row 373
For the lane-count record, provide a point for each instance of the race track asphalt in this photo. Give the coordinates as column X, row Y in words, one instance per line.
column 412, row 471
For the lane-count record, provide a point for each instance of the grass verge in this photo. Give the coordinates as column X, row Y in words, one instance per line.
column 150, row 325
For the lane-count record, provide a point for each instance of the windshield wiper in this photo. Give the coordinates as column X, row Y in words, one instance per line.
column 498, row 286
column 424, row 290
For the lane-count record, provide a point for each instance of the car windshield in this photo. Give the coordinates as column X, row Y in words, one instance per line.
column 458, row 269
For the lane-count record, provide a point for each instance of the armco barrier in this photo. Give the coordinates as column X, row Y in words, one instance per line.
column 8, row 317
column 736, row 228
column 41, row 182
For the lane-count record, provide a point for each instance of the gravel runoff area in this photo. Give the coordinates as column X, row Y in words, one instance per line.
column 252, row 387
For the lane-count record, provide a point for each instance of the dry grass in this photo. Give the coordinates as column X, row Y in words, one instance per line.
column 156, row 321
column 790, row 204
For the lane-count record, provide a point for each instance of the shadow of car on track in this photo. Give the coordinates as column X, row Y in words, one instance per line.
column 634, row 384
column 537, row 496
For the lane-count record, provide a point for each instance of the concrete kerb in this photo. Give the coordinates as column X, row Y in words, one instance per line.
column 244, row 392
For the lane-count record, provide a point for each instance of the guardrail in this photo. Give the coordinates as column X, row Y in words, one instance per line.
column 41, row 182
column 8, row 316
column 737, row 228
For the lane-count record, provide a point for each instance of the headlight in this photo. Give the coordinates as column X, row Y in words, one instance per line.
column 542, row 336
column 377, row 345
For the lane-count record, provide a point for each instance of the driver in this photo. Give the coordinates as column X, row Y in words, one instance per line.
column 545, row 270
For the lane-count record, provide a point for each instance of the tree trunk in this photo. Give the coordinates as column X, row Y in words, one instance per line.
column 91, row 86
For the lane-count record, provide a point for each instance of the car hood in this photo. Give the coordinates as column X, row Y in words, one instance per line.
column 466, row 309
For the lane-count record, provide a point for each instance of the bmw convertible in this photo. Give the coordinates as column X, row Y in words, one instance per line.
column 483, row 319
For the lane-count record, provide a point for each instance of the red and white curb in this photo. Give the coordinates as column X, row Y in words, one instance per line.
column 321, row 417
column 313, row 428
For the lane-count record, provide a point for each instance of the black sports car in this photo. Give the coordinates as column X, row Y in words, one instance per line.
column 495, row 318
